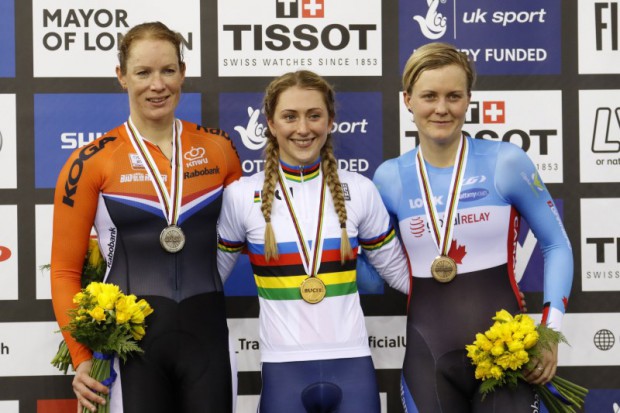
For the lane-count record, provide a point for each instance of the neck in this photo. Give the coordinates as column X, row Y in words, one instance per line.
column 158, row 133
column 440, row 155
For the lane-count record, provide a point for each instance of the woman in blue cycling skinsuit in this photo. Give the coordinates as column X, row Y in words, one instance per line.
column 463, row 265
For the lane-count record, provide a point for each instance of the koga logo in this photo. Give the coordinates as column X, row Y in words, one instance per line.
column 305, row 37
column 606, row 133
column 5, row 253
column 606, row 24
column 73, row 140
column 433, row 25
column 195, row 157
column 89, row 19
column 604, row 339
column 77, row 167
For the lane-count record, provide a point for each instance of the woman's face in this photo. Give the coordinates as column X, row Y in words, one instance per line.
column 300, row 124
column 153, row 80
column 439, row 101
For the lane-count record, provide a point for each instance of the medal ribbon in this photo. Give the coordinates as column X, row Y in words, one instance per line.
column 170, row 203
column 311, row 259
column 442, row 234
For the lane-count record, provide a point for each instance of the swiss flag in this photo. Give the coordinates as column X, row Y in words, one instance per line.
column 313, row 8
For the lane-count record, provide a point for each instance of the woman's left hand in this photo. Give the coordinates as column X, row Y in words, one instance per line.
column 544, row 367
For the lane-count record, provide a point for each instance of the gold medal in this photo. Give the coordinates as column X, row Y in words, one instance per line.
column 312, row 290
column 172, row 239
column 443, row 269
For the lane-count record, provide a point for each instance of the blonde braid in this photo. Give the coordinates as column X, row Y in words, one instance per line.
column 267, row 194
column 330, row 170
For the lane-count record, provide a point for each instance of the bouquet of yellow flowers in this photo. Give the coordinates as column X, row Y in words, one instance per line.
column 93, row 270
column 110, row 323
column 503, row 350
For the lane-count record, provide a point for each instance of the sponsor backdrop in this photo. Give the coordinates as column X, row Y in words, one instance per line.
column 549, row 82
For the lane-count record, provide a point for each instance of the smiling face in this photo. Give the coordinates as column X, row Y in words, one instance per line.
column 153, row 79
column 438, row 100
column 300, row 124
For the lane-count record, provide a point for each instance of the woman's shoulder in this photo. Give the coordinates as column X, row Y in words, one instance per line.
column 200, row 131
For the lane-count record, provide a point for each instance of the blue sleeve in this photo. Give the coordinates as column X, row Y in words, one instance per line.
column 518, row 181
column 368, row 278
column 387, row 181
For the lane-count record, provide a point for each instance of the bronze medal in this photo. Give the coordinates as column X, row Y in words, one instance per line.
column 172, row 239
column 312, row 290
column 443, row 269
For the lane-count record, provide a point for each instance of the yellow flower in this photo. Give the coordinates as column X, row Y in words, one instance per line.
column 503, row 315
column 93, row 255
column 496, row 372
column 137, row 332
column 498, row 349
column 530, row 340
column 97, row 313
column 78, row 298
column 515, row 346
column 123, row 309
column 94, row 288
column 483, row 342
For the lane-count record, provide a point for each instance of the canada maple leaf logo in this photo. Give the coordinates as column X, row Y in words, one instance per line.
column 457, row 252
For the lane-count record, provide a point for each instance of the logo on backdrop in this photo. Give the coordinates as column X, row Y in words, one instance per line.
column 65, row 31
column 356, row 131
column 600, row 245
column 599, row 38
column 64, row 122
column 514, row 38
column 7, row 39
column 531, row 120
column 604, row 340
column 5, row 253
column 270, row 37
column 599, row 135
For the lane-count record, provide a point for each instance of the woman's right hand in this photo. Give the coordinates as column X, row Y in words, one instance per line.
column 85, row 387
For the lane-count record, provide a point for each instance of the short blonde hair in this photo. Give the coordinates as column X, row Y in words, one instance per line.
column 433, row 56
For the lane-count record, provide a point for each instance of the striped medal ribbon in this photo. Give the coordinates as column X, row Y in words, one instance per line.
column 443, row 267
column 171, row 238
column 312, row 288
